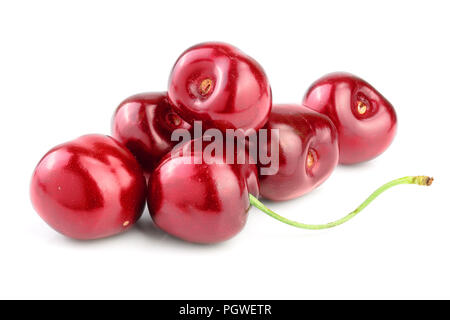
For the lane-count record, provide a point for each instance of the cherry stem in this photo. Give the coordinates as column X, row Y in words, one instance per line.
column 419, row 180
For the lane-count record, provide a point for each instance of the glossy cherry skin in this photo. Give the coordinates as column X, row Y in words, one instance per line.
column 91, row 187
column 221, row 86
column 144, row 124
column 200, row 202
column 365, row 120
column 308, row 152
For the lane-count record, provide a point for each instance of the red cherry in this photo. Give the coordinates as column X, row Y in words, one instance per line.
column 91, row 187
column 365, row 120
column 144, row 124
column 218, row 84
column 196, row 200
column 308, row 152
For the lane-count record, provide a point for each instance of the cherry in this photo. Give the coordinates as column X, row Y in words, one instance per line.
column 308, row 151
column 221, row 86
column 365, row 120
column 197, row 200
column 196, row 196
column 91, row 187
column 144, row 124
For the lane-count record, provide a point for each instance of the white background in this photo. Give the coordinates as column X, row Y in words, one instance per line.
column 65, row 66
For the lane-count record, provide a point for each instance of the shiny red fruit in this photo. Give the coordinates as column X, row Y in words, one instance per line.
column 308, row 151
column 201, row 202
column 91, row 187
column 144, row 124
column 221, row 86
column 365, row 120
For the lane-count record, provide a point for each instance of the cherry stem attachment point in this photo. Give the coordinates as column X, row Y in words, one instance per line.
column 205, row 86
column 419, row 180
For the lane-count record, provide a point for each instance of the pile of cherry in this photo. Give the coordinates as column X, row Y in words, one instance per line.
column 96, row 186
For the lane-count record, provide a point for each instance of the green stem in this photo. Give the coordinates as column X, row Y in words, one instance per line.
column 419, row 180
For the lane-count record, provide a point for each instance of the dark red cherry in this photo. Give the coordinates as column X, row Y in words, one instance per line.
column 221, row 86
column 365, row 120
column 144, row 124
column 195, row 195
column 308, row 151
column 197, row 200
column 91, row 187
